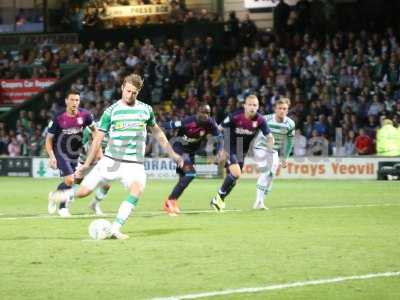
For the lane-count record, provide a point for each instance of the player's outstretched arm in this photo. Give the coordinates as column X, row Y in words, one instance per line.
column 163, row 141
column 94, row 148
column 49, row 150
column 94, row 132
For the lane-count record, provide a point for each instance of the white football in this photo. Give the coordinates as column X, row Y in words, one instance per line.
column 100, row 229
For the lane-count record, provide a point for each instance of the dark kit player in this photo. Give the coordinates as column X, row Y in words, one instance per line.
column 64, row 142
column 192, row 134
column 239, row 129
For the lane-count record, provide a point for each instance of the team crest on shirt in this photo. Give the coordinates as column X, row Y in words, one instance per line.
column 254, row 124
column 202, row 132
column 79, row 120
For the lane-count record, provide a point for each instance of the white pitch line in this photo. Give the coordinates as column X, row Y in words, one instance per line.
column 280, row 286
column 90, row 216
column 336, row 206
column 188, row 212
column 44, row 216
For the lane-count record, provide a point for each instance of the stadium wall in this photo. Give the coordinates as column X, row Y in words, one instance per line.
column 341, row 168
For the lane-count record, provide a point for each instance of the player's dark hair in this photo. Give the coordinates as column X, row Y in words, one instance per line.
column 71, row 92
column 135, row 80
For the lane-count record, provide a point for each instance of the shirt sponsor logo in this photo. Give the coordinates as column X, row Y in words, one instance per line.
column 128, row 124
column 73, row 130
column 243, row 131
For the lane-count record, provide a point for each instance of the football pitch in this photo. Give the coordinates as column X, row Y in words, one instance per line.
column 319, row 240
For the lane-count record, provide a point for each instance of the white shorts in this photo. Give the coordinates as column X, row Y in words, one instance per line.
column 267, row 160
column 108, row 169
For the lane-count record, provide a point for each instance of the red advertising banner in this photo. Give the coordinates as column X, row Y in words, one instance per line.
column 15, row 91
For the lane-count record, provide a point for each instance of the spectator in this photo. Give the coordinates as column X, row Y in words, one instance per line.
column 388, row 139
column 300, row 144
column 376, row 107
column 281, row 15
column 317, row 145
column 248, row 31
column 176, row 14
column 14, row 148
column 3, row 142
column 349, row 145
column 363, row 143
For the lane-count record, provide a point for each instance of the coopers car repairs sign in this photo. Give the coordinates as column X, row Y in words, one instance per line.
column 14, row 91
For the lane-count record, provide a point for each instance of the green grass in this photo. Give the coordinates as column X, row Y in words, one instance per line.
column 53, row 258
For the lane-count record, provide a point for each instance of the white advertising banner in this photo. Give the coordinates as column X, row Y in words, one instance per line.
column 254, row 4
column 41, row 168
column 323, row 168
column 134, row 11
column 155, row 168
column 166, row 168
column 160, row 168
column 297, row 168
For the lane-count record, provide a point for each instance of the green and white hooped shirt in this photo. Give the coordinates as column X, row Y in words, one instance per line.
column 126, row 127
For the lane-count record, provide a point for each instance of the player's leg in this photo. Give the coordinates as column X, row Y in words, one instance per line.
column 234, row 171
column 100, row 194
column 89, row 183
column 267, row 174
column 133, row 177
column 263, row 159
column 68, row 183
column 67, row 170
column 186, row 174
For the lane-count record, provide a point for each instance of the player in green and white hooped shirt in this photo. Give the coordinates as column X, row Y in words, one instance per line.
column 125, row 121
column 282, row 128
column 104, row 187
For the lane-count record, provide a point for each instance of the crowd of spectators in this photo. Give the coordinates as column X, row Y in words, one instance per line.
column 341, row 87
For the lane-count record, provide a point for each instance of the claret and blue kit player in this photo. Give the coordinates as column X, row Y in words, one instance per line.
column 239, row 129
column 192, row 134
column 64, row 142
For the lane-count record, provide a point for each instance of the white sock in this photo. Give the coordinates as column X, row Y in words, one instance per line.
column 101, row 193
column 261, row 188
column 124, row 211
column 264, row 185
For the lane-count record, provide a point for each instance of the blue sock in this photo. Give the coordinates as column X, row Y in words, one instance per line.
column 227, row 186
column 181, row 186
column 63, row 186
